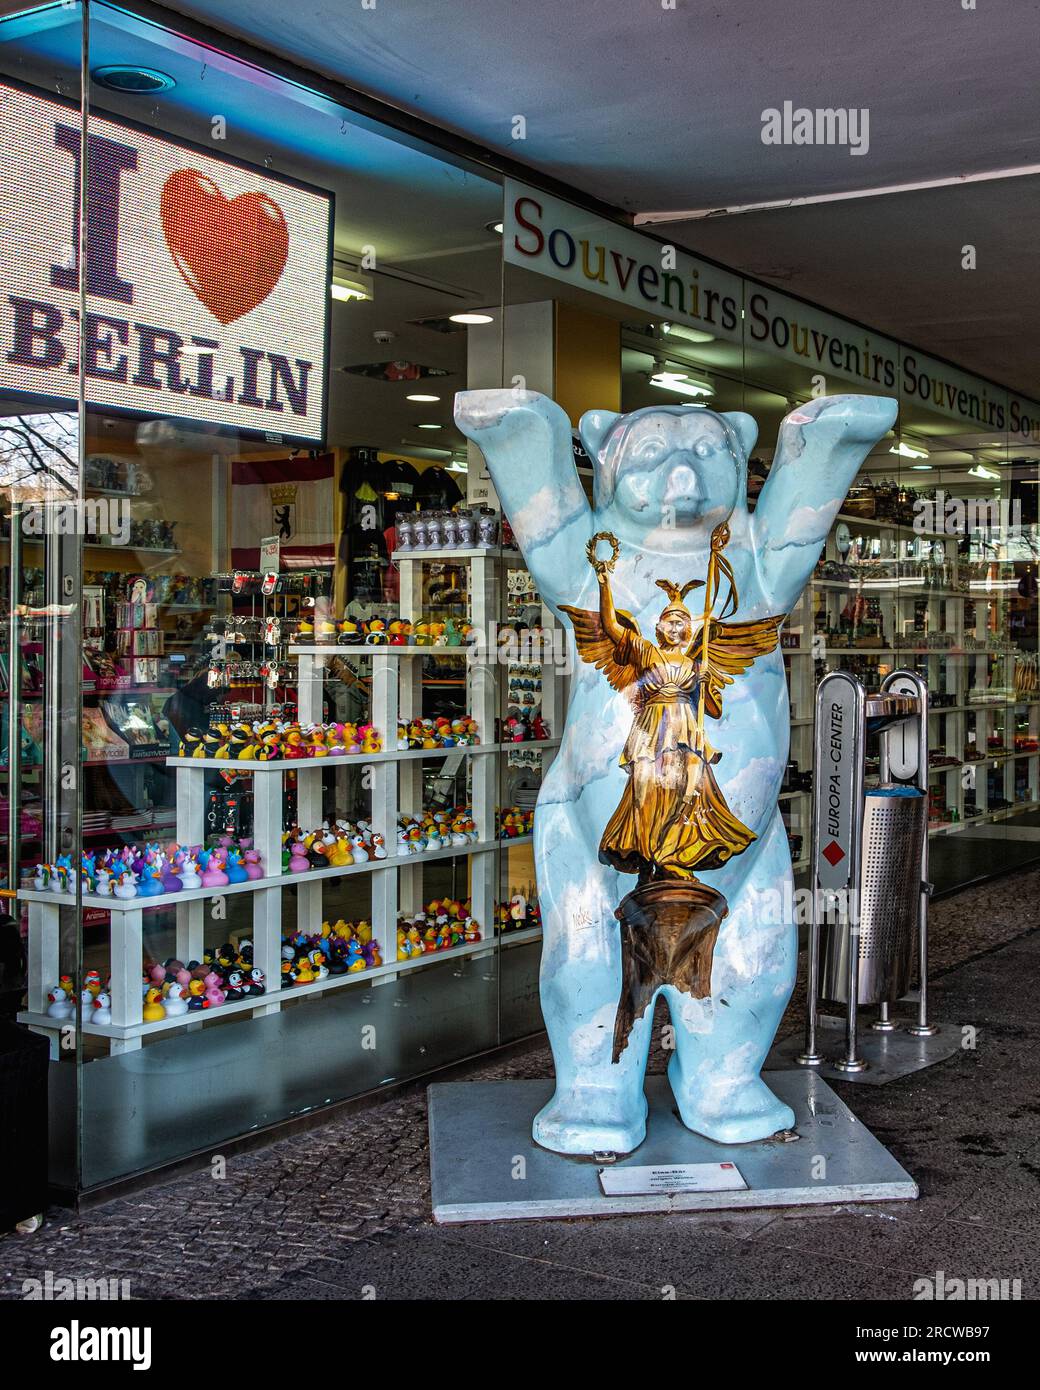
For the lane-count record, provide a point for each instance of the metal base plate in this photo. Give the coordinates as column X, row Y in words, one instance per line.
column 486, row 1167
column 890, row 1055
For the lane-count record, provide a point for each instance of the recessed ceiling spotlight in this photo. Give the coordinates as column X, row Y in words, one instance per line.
column 429, row 427
column 137, row 81
column 493, row 227
column 422, row 398
column 471, row 318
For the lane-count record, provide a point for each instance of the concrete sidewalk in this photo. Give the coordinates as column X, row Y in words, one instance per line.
column 344, row 1208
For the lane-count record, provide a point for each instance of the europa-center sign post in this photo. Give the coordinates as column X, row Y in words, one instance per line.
column 836, row 840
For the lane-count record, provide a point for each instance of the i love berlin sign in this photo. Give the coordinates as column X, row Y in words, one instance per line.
column 206, row 280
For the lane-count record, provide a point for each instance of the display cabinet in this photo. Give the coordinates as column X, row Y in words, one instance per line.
column 393, row 677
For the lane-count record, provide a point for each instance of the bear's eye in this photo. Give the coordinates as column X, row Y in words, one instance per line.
column 648, row 452
column 703, row 448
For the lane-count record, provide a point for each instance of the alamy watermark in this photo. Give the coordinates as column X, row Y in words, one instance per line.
column 961, row 516
column 943, row 1287
column 504, row 645
column 90, row 516
column 57, row 1288
column 830, row 125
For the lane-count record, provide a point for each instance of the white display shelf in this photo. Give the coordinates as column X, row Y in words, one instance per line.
column 349, row 759
column 137, row 1031
column 504, row 556
column 370, row 649
column 519, row 938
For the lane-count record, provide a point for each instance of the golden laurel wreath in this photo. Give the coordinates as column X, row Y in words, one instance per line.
column 603, row 566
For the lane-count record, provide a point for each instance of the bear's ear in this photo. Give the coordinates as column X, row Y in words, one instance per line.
column 746, row 429
column 594, row 427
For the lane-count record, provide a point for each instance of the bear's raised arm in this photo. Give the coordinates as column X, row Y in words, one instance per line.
column 526, row 440
column 819, row 450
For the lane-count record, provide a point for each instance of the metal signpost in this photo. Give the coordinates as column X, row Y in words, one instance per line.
column 869, row 865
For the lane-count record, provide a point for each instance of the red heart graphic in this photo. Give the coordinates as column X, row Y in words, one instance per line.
column 231, row 251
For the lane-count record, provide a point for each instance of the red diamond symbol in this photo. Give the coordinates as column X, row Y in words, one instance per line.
column 834, row 853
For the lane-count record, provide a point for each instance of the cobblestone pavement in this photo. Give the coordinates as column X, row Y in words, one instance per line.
column 346, row 1206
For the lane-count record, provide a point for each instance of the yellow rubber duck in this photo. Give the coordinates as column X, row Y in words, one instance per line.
column 153, row 1006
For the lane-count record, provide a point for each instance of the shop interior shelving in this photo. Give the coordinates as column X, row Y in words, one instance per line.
column 948, row 620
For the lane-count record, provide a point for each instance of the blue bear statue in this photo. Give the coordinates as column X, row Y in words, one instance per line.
column 662, row 860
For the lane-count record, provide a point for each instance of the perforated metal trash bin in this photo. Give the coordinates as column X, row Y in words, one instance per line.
column 895, row 821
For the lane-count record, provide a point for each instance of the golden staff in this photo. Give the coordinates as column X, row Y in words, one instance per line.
column 719, row 537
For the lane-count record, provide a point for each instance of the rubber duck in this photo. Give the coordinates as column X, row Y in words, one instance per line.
column 213, row 875
column 59, row 1005
column 299, row 863
column 215, row 995
column 188, row 871
column 125, row 887
column 153, row 1009
column 355, row 957
column 234, row 867
column 340, row 853
column 191, row 745
column 175, row 1002
column 304, row 971
column 102, row 1011
column 358, row 851
column 378, row 846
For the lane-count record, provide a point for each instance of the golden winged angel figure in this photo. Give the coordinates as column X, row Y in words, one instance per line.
column 672, row 818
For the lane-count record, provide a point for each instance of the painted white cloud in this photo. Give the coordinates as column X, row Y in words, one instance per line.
column 806, row 526
column 746, row 791
column 540, row 518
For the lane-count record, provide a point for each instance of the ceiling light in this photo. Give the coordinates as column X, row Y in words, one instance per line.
column 424, row 399
column 682, row 384
column 133, row 80
column 908, row 451
column 429, row 427
column 351, row 286
column 981, row 471
column 471, row 318
column 690, row 335
column 495, row 227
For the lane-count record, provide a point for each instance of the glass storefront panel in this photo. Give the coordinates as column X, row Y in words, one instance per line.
column 41, row 482
column 283, row 706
